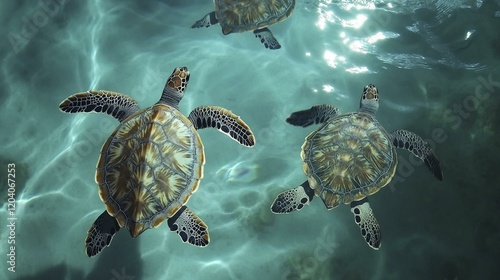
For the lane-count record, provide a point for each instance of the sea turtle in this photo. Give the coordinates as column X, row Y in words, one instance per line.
column 350, row 157
column 251, row 15
column 153, row 162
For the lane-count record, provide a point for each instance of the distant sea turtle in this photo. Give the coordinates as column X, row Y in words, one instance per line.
column 350, row 157
column 152, row 163
column 253, row 15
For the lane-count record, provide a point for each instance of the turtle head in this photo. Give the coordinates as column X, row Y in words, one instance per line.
column 369, row 100
column 175, row 86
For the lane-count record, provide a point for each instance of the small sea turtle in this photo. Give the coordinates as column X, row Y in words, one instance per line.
column 350, row 157
column 153, row 162
column 253, row 15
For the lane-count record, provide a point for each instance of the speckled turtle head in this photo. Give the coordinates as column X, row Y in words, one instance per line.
column 369, row 100
column 175, row 86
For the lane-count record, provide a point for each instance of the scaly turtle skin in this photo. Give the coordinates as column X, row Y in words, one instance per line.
column 350, row 157
column 153, row 162
column 251, row 15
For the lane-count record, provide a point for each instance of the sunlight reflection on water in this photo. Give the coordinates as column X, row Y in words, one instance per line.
column 417, row 53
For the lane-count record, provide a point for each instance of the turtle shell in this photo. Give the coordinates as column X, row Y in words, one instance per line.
column 149, row 167
column 348, row 158
column 238, row 16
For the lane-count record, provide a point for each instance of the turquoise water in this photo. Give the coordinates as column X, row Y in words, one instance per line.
column 435, row 63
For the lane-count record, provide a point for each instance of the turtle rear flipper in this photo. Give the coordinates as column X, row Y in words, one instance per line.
column 293, row 200
column 315, row 115
column 266, row 37
column 189, row 227
column 410, row 141
column 223, row 120
column 115, row 104
column 100, row 234
column 208, row 20
column 364, row 218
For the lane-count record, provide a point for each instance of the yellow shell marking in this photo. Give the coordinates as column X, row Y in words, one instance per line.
column 348, row 158
column 149, row 167
column 239, row 16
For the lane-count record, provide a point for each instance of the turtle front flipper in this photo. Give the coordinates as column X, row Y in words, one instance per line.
column 223, row 120
column 208, row 20
column 100, row 234
column 315, row 115
column 410, row 141
column 293, row 200
column 115, row 104
column 266, row 37
column 189, row 227
column 364, row 218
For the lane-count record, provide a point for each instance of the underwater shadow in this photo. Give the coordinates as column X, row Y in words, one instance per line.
column 120, row 261
column 60, row 271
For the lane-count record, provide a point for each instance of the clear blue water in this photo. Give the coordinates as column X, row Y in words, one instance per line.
column 436, row 64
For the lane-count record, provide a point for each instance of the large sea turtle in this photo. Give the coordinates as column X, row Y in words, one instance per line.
column 153, row 162
column 350, row 157
column 250, row 15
